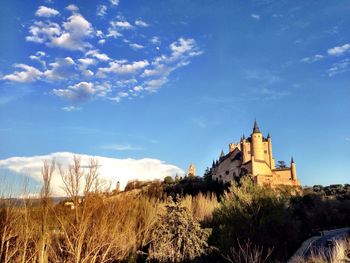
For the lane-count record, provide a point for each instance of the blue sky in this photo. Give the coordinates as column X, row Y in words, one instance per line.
column 177, row 80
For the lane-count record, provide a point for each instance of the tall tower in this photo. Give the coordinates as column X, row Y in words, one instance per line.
column 191, row 170
column 257, row 146
column 272, row 166
column 293, row 169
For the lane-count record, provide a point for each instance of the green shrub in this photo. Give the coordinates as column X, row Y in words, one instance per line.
column 178, row 236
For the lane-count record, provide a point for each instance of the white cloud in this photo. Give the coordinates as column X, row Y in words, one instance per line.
column 155, row 40
column 120, row 67
column 101, row 10
column 336, row 51
column 312, row 59
column 96, row 54
column 121, row 24
column 122, row 94
column 71, row 108
column 339, row 67
column 44, row 11
column 103, row 89
column 61, row 69
column 80, row 91
column 110, row 169
column 39, row 58
column 141, row 23
column 136, row 46
column 72, row 8
column 28, row 74
column 85, row 62
column 184, row 46
column 113, row 33
column 43, row 32
column 255, row 16
column 114, row 2
column 154, row 84
column 72, row 36
column 77, row 29
column 138, row 88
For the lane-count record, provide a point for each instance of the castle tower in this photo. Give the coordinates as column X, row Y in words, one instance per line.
column 257, row 146
column 222, row 154
column 293, row 169
column 272, row 165
column 231, row 147
column 191, row 170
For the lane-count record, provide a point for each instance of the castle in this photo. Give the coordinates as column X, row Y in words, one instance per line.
column 253, row 155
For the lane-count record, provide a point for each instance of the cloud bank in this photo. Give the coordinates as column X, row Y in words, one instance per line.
column 111, row 169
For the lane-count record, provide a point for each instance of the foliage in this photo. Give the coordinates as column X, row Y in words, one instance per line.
column 168, row 180
column 257, row 213
column 178, row 236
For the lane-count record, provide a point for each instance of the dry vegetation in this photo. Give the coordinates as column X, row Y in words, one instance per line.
column 248, row 224
column 339, row 253
column 99, row 228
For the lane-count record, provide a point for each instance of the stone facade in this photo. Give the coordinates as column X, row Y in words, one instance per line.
column 253, row 155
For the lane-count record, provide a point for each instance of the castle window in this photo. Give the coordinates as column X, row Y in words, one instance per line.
column 265, row 151
column 227, row 172
column 248, row 152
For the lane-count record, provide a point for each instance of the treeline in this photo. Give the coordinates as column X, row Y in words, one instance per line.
column 338, row 191
column 188, row 220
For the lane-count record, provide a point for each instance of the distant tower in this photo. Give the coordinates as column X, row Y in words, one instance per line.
column 293, row 169
column 257, row 146
column 191, row 170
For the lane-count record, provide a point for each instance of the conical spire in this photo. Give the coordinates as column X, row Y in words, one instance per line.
column 268, row 136
column 292, row 160
column 222, row 153
column 256, row 127
column 243, row 136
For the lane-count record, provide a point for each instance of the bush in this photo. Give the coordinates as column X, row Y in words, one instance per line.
column 168, row 180
column 178, row 236
column 259, row 214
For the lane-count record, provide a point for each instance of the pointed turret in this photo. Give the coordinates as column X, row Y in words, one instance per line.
column 243, row 136
column 268, row 136
column 256, row 127
column 222, row 154
column 257, row 146
column 213, row 164
column 293, row 169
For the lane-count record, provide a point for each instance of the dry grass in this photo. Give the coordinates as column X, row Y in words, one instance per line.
column 202, row 206
column 339, row 253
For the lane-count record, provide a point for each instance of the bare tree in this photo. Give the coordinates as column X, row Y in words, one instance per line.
column 46, row 173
